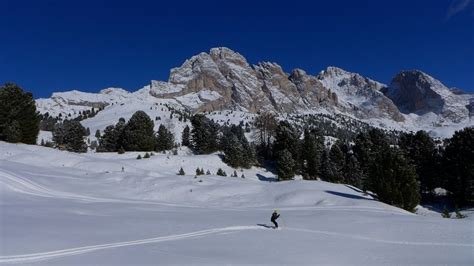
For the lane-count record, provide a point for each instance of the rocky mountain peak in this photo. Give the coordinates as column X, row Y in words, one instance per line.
column 414, row 91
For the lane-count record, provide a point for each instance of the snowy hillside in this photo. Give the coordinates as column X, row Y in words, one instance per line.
column 61, row 208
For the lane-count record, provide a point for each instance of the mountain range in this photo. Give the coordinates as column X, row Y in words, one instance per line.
column 223, row 79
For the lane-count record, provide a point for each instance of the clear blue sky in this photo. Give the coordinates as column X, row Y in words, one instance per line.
column 49, row 46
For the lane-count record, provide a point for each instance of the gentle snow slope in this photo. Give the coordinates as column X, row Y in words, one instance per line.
column 59, row 208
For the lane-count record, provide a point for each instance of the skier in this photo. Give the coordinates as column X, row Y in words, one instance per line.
column 275, row 216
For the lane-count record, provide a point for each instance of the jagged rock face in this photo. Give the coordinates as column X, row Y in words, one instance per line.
column 223, row 79
column 416, row 92
column 359, row 95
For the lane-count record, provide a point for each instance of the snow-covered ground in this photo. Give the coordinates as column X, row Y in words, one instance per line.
column 60, row 208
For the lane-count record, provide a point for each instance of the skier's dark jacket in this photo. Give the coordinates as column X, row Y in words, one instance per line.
column 274, row 216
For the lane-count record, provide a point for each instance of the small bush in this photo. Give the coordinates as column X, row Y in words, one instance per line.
column 445, row 213
column 147, row 155
column 181, row 171
column 139, row 157
column 221, row 172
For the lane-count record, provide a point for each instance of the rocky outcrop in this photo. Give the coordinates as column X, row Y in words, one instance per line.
column 416, row 92
column 359, row 95
column 266, row 87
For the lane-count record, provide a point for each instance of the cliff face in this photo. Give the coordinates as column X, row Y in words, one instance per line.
column 235, row 84
column 418, row 93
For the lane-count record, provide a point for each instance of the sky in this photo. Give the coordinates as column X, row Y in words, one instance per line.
column 48, row 46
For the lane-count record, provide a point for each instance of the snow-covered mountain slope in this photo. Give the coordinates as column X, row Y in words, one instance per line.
column 223, row 80
column 60, row 208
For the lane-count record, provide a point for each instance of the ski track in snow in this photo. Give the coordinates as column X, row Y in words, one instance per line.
column 26, row 186
column 86, row 249
column 75, row 251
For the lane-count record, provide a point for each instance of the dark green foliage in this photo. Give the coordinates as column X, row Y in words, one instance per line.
column 185, row 136
column 88, row 132
column 421, row 151
column 287, row 139
column 313, row 148
column 121, row 150
column 198, row 171
column 164, row 139
column 335, row 164
column 204, row 134
column 445, row 213
column 97, row 134
column 237, row 150
column 111, row 140
column 181, row 171
column 367, row 146
column 351, row 171
column 221, row 172
column 393, row 179
column 146, row 156
column 139, row 157
column 458, row 163
column 138, row 134
column 69, row 135
column 286, row 165
column 19, row 121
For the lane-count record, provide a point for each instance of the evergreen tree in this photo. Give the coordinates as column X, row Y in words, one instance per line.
column 121, row 150
column 221, row 172
column 165, row 139
column 393, row 179
column 108, row 142
column 97, row 133
column 185, row 136
column 286, row 165
column 147, row 155
column 181, row 171
column 313, row 144
column 421, row 151
column 198, row 171
column 458, row 163
column 69, row 135
column 204, row 134
column 208, row 172
column 138, row 134
column 237, row 151
column 19, row 120
column 287, row 138
column 139, row 157
column 88, row 132
column 336, row 164
column 351, row 171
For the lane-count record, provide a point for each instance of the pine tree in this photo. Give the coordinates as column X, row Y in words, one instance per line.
column 221, row 172
column 287, row 138
column 70, row 136
column 139, row 157
column 351, row 171
column 88, row 132
column 234, row 174
column 286, row 165
column 204, row 134
column 147, row 155
column 198, row 171
column 19, row 120
column 313, row 144
column 446, row 213
column 164, row 140
column 393, row 179
column 181, row 171
column 97, row 133
column 458, row 162
column 208, row 172
column 138, row 134
column 336, row 164
column 185, row 136
column 421, row 151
